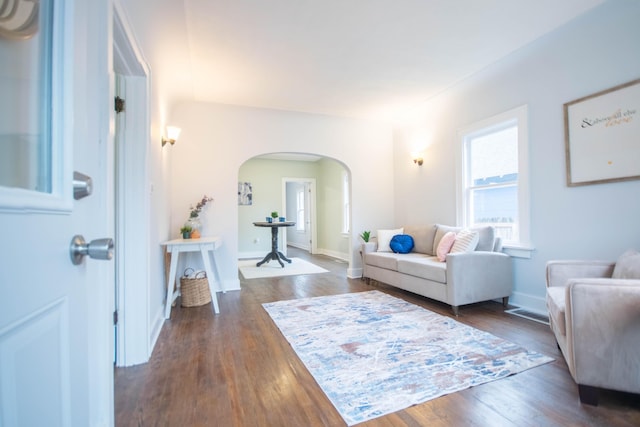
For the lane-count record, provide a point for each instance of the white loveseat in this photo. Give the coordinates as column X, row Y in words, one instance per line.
column 484, row 273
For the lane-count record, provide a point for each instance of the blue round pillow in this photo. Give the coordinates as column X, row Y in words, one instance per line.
column 401, row 243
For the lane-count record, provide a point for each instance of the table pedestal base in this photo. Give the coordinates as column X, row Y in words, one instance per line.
column 274, row 254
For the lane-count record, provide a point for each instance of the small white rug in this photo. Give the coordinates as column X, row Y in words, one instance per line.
column 272, row 268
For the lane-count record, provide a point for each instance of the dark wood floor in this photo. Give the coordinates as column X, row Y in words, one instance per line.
column 236, row 369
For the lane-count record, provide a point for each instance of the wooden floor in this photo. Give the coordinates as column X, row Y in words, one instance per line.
column 236, row 369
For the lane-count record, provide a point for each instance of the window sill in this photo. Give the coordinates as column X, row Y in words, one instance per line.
column 518, row 250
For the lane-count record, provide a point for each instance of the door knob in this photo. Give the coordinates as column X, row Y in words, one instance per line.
column 96, row 249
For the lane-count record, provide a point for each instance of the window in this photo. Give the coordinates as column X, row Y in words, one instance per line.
column 300, row 211
column 346, row 207
column 493, row 186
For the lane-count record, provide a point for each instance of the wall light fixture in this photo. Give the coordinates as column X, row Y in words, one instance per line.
column 172, row 135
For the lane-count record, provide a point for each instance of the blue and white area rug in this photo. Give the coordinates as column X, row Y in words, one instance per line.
column 373, row 354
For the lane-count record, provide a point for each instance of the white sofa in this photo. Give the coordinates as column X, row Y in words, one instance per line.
column 483, row 274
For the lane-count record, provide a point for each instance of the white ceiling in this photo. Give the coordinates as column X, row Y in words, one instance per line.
column 354, row 58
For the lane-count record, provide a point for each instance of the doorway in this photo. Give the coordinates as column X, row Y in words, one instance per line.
column 130, row 196
column 299, row 203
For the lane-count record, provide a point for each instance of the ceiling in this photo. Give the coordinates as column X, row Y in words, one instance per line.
column 370, row 59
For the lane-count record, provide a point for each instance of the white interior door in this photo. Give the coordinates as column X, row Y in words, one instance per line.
column 55, row 366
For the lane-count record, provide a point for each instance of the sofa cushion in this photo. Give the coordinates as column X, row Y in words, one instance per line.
column 466, row 241
column 486, row 238
column 401, row 243
column 556, row 296
column 441, row 230
column 384, row 238
column 445, row 245
column 627, row 266
column 386, row 260
column 423, row 236
column 425, row 267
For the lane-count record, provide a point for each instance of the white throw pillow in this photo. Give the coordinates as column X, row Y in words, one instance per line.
column 466, row 241
column 384, row 238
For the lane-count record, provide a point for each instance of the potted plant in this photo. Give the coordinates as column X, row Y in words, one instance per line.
column 186, row 232
column 365, row 235
column 274, row 214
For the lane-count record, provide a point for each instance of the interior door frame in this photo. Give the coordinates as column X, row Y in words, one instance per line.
column 134, row 341
column 313, row 248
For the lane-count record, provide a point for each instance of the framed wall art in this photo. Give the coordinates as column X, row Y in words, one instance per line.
column 245, row 194
column 602, row 136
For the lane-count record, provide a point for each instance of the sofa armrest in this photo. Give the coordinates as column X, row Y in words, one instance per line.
column 603, row 337
column 478, row 276
column 559, row 272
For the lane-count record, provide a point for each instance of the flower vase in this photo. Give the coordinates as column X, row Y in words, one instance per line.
column 196, row 227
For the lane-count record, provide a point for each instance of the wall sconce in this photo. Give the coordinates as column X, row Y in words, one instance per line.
column 172, row 135
column 418, row 159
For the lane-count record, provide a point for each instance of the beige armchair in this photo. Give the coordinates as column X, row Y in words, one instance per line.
column 594, row 313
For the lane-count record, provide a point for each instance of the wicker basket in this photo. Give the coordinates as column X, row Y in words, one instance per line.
column 194, row 288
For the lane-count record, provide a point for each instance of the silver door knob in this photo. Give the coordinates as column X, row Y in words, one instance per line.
column 96, row 249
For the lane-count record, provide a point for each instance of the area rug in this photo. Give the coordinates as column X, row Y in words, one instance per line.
column 373, row 354
column 273, row 269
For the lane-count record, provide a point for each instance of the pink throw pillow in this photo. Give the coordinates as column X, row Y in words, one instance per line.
column 445, row 245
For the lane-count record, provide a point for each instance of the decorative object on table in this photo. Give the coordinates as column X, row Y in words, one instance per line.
column 194, row 288
column 373, row 354
column 282, row 219
column 245, row 194
column 194, row 217
column 274, row 215
column 601, row 134
column 268, row 219
column 365, row 236
column 185, row 231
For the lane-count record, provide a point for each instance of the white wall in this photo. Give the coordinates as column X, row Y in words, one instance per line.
column 217, row 139
column 592, row 53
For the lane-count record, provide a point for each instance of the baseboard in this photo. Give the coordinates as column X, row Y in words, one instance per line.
column 354, row 273
column 232, row 285
column 299, row 246
column 334, row 254
column 156, row 328
column 252, row 255
column 529, row 302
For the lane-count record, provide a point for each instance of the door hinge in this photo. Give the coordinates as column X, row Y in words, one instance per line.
column 115, row 317
column 119, row 104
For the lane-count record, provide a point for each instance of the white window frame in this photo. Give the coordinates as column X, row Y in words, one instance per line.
column 517, row 116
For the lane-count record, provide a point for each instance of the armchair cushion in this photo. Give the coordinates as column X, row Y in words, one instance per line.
column 627, row 266
column 556, row 297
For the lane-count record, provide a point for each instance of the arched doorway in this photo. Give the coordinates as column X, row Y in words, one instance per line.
column 267, row 176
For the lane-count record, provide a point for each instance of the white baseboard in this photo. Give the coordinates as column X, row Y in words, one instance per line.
column 156, row 328
column 299, row 246
column 334, row 254
column 354, row 273
column 232, row 285
column 532, row 303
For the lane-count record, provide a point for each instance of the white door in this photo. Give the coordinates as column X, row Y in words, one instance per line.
column 55, row 364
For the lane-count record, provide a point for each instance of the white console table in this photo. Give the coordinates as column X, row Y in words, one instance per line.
column 204, row 245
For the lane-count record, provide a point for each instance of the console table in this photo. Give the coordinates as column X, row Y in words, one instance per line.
column 274, row 254
column 206, row 246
